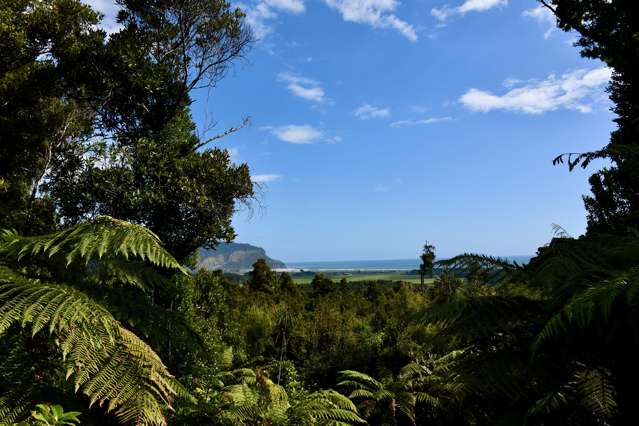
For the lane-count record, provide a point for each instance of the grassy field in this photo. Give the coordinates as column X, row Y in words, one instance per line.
column 362, row 276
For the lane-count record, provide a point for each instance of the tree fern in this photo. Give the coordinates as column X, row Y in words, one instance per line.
column 12, row 410
column 498, row 270
column 250, row 397
column 589, row 392
column 105, row 361
column 384, row 398
column 479, row 317
column 102, row 238
column 592, row 307
column 323, row 407
column 567, row 266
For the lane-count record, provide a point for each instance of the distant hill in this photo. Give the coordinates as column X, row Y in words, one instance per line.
column 235, row 257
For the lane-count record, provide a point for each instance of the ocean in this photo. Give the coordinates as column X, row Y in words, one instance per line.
column 373, row 265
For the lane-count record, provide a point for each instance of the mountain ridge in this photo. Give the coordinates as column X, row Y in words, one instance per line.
column 235, row 257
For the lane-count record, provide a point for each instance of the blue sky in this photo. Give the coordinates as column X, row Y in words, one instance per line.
column 378, row 124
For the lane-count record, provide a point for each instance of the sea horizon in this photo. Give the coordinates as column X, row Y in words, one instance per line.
column 375, row 264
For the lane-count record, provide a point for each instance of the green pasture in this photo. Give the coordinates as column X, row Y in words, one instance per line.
column 363, row 276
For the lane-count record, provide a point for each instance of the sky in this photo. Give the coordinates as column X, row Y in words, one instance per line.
column 379, row 124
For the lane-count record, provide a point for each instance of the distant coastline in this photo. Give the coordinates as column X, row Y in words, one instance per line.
column 373, row 265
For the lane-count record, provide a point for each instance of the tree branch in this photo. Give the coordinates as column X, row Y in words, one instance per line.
column 227, row 132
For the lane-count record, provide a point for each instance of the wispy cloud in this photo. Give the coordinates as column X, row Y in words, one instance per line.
column 411, row 123
column 376, row 13
column 543, row 16
column 445, row 12
column 367, row 111
column 265, row 178
column 303, row 87
column 290, row 6
column 420, row 109
column 109, row 9
column 234, row 154
column 297, row 134
column 387, row 187
column 261, row 15
column 577, row 90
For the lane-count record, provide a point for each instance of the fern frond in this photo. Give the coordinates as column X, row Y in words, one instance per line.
column 361, row 393
column 102, row 238
column 107, row 362
column 498, row 269
column 483, row 316
column 597, row 392
column 324, row 407
column 12, row 411
column 550, row 402
column 569, row 266
column 355, row 379
column 594, row 303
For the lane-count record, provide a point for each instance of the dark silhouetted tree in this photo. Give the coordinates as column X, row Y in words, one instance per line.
column 262, row 278
column 608, row 31
column 322, row 285
column 428, row 258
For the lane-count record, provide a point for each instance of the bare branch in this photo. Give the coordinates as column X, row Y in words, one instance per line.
column 225, row 133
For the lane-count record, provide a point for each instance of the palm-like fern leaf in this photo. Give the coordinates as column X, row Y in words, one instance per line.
column 103, row 237
column 11, row 410
column 107, row 362
column 483, row 316
column 567, row 266
column 324, row 407
column 498, row 269
column 597, row 392
column 593, row 304
column 357, row 380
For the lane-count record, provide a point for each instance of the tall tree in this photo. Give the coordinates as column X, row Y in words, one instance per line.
column 262, row 278
column 609, row 31
column 428, row 258
column 187, row 197
column 92, row 125
column 45, row 47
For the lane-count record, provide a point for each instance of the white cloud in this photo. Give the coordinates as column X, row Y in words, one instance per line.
column 542, row 15
column 480, row 5
column 367, row 111
column 303, row 87
column 387, row 187
column 290, row 6
column 234, row 154
column 420, row 109
column 411, row 123
column 108, row 8
column 376, row 13
column 577, row 90
column 446, row 11
column 297, row 134
column 380, row 187
column 260, row 15
column 265, row 178
column 510, row 82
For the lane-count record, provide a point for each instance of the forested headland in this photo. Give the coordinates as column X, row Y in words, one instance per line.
column 108, row 190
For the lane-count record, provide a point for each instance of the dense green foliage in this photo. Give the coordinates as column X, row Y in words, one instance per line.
column 93, row 124
column 52, row 285
column 102, row 316
column 609, row 31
